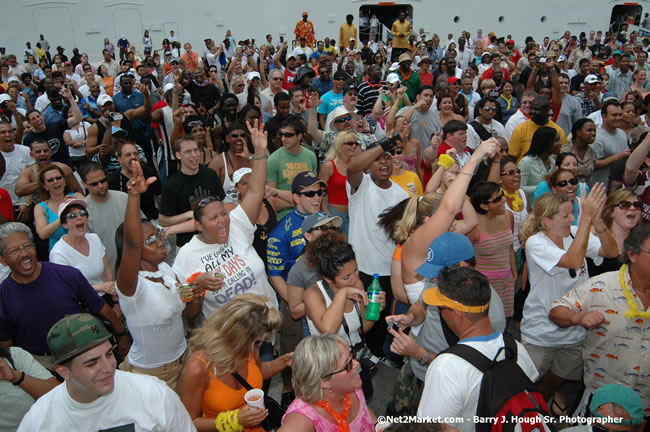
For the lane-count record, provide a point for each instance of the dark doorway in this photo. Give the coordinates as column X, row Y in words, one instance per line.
column 387, row 15
column 620, row 14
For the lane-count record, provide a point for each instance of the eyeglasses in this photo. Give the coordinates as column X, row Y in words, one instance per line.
column 351, row 143
column 511, row 172
column 207, row 200
column 339, row 79
column 277, row 78
column 312, row 193
column 16, row 251
column 565, row 183
column 324, row 228
column 489, row 109
column 397, row 151
column 53, row 179
column 287, row 134
column 236, row 135
column 496, row 199
column 75, row 215
column 347, row 368
column 153, row 238
column 191, row 152
column 625, row 205
column 98, row 182
column 343, row 119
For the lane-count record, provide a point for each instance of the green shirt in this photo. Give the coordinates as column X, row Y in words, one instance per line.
column 413, row 84
column 283, row 166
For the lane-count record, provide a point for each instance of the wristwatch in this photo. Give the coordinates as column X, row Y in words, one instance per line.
column 19, row 380
column 424, row 361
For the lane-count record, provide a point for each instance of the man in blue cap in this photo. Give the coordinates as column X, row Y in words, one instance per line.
column 447, row 251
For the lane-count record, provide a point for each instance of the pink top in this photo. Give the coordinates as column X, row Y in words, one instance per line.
column 362, row 422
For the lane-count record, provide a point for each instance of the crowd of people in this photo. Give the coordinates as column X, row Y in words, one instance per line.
column 180, row 226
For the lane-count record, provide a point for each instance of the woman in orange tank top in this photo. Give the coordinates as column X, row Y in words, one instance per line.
column 228, row 343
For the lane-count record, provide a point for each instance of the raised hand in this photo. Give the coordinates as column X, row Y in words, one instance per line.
column 592, row 206
column 258, row 136
column 138, row 184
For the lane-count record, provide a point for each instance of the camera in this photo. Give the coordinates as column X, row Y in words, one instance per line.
column 115, row 117
column 387, row 144
column 392, row 325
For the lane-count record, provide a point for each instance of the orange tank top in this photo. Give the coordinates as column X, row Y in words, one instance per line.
column 219, row 397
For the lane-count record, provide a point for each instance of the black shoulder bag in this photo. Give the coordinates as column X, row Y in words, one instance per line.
column 276, row 412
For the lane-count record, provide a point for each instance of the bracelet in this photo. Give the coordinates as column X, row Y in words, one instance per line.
column 446, row 161
column 228, row 421
column 257, row 157
column 276, row 193
column 600, row 231
column 20, row 380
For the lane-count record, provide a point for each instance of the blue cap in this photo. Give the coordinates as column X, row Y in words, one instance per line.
column 617, row 52
column 620, row 395
column 445, row 251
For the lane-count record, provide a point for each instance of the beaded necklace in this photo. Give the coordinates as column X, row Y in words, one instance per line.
column 340, row 418
column 634, row 311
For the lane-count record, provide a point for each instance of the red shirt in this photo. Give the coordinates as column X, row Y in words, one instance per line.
column 487, row 74
column 157, row 106
column 6, row 206
column 427, row 78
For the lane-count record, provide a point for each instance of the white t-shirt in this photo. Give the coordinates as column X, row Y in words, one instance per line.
column 452, row 385
column 495, row 129
column 78, row 133
column 548, row 283
column 154, row 316
column 138, row 403
column 515, row 120
column 15, row 161
column 91, row 266
column 237, row 260
column 373, row 248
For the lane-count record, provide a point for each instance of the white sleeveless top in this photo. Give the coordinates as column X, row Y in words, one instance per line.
column 154, row 317
column 413, row 292
column 228, row 184
column 351, row 318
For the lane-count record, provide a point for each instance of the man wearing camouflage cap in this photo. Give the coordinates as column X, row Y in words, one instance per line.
column 96, row 396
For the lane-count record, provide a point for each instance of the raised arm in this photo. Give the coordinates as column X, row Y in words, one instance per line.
column 252, row 203
column 312, row 122
column 360, row 162
column 145, row 110
column 634, row 162
column 74, row 107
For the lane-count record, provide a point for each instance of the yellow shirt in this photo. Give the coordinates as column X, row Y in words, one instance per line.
column 405, row 28
column 523, row 135
column 409, row 181
column 346, row 32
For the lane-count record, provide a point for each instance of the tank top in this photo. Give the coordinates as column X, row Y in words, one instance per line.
column 220, row 397
column 262, row 231
column 413, row 290
column 493, row 253
column 411, row 161
column 51, row 217
column 228, row 185
column 362, row 422
column 351, row 318
column 287, row 82
column 336, row 193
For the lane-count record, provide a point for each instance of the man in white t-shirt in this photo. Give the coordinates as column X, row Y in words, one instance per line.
column 16, row 158
column 94, row 395
column 484, row 126
column 522, row 114
column 452, row 385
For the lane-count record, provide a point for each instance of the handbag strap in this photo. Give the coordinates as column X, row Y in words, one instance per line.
column 242, row 381
column 344, row 323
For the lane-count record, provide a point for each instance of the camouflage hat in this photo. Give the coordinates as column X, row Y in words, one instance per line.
column 74, row 335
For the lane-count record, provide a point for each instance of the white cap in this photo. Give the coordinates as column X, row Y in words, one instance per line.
column 167, row 87
column 12, row 79
column 253, row 74
column 103, row 99
column 394, row 66
column 4, row 98
column 392, row 78
column 239, row 174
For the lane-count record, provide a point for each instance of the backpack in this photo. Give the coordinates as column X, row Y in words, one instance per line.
column 506, row 392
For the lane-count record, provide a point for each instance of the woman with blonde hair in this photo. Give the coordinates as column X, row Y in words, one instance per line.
column 556, row 252
column 228, row 344
column 334, row 173
column 621, row 214
column 328, row 388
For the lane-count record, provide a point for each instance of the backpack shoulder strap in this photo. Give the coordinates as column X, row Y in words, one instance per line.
column 471, row 355
column 511, row 346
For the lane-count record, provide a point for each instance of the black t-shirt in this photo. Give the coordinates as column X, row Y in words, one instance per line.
column 208, row 95
column 53, row 134
column 118, row 181
column 524, row 75
column 618, row 170
column 272, row 127
column 576, row 82
column 181, row 191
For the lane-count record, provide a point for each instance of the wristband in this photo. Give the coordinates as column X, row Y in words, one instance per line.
column 257, row 157
column 599, row 231
column 20, row 380
column 446, row 161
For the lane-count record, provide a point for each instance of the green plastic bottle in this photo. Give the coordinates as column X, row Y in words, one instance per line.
column 374, row 306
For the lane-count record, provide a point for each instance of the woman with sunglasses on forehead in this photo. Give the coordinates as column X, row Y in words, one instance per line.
column 148, row 291
column 334, row 174
column 556, row 252
column 236, row 150
column 46, row 214
column 221, row 258
column 621, row 214
column 81, row 249
column 328, row 389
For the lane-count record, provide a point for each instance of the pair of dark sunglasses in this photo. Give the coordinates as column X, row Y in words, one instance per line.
column 565, row 183
column 311, row 194
column 624, row 205
column 347, row 368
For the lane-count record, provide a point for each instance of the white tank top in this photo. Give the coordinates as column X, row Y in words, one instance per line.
column 228, row 185
column 413, row 292
column 351, row 318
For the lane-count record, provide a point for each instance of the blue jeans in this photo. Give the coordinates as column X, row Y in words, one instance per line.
column 397, row 308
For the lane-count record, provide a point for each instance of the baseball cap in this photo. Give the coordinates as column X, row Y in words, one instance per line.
column 67, row 203
column 392, row 78
column 510, row 41
column 434, row 297
column 104, row 99
column 304, row 180
column 292, row 55
column 253, row 74
column 561, row 59
column 239, row 174
column 13, row 78
column 319, row 219
column 173, row 59
column 453, row 80
column 168, row 53
column 617, row 52
column 74, row 335
column 404, row 57
column 4, row 98
column 167, row 87
column 67, row 63
column 349, row 87
column 445, row 251
column 622, row 396
column 394, row 66
column 592, row 79
column 352, row 39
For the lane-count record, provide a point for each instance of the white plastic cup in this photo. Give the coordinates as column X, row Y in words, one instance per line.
column 255, row 398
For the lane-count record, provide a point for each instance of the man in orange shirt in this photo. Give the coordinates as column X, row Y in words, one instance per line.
column 191, row 58
column 305, row 29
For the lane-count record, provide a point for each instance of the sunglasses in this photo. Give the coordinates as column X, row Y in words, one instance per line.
column 565, row 183
column 75, row 215
column 277, row 79
column 496, row 199
column 53, row 179
column 287, row 134
column 153, row 238
column 489, row 109
column 339, row 79
column 238, row 135
column 311, row 194
column 207, row 200
column 351, row 143
column 98, row 182
column 511, row 172
column 625, row 205
column 343, row 119
column 393, row 152
column 325, row 228
column 347, row 368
